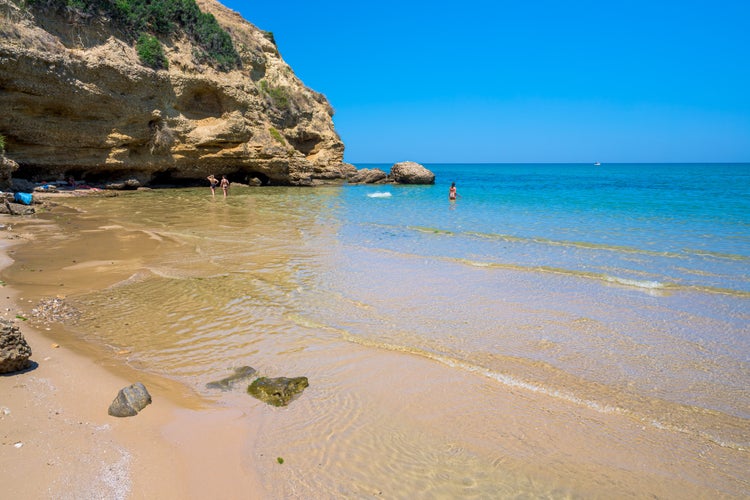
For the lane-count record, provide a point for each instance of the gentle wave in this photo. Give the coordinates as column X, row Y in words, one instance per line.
column 718, row 255
column 519, row 383
column 650, row 285
column 647, row 285
column 431, row 230
column 379, row 194
column 561, row 243
column 686, row 253
column 512, row 381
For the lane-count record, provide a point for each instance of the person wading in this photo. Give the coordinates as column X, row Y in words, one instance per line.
column 224, row 185
column 213, row 182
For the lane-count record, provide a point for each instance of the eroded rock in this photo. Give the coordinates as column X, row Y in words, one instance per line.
column 277, row 391
column 368, row 176
column 14, row 350
column 7, row 167
column 77, row 100
column 409, row 172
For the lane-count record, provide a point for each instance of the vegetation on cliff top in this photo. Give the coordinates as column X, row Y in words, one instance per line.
column 151, row 52
column 161, row 18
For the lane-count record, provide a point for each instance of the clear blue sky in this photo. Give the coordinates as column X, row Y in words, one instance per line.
column 524, row 81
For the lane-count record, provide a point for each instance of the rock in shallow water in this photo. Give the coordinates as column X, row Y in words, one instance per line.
column 277, row 391
column 241, row 373
column 130, row 400
column 409, row 172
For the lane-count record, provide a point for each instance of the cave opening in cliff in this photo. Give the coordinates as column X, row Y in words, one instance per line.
column 35, row 173
column 167, row 178
column 251, row 178
column 305, row 144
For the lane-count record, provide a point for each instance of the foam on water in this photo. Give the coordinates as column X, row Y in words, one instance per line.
column 379, row 194
column 649, row 285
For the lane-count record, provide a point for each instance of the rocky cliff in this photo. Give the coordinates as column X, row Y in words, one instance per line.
column 76, row 100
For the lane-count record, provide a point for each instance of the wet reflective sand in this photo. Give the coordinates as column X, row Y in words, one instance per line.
column 429, row 377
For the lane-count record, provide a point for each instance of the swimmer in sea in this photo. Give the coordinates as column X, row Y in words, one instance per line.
column 452, row 193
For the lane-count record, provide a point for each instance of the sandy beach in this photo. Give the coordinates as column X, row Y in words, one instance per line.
column 59, row 442
column 516, row 266
column 376, row 420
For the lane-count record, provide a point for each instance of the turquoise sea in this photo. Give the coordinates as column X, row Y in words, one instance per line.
column 659, row 227
column 634, row 276
column 619, row 289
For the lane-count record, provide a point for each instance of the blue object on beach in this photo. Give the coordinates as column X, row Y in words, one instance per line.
column 24, row 198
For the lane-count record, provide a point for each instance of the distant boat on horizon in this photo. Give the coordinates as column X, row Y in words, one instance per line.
column 596, row 163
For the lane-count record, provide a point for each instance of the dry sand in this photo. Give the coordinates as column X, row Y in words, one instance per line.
column 57, row 440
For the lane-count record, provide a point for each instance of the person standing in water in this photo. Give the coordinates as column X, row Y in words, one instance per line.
column 452, row 193
column 224, row 185
column 213, row 181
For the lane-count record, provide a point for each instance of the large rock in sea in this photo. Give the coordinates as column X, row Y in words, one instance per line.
column 409, row 172
column 77, row 101
column 14, row 350
column 277, row 391
column 368, row 176
column 130, row 400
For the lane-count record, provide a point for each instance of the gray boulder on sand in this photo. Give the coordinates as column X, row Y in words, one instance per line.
column 409, row 172
column 277, row 391
column 130, row 400
column 14, row 350
column 9, row 208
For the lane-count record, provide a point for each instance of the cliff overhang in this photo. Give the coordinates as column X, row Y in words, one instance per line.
column 78, row 102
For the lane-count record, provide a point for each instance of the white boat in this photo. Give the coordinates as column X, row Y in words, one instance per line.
column 596, row 164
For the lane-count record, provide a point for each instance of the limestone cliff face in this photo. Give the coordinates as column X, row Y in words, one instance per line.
column 76, row 101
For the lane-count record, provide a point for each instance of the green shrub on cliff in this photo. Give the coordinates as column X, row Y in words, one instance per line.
column 278, row 95
column 151, row 52
column 160, row 17
column 277, row 135
column 2, row 144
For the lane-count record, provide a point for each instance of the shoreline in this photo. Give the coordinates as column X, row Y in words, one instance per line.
column 58, row 440
column 373, row 421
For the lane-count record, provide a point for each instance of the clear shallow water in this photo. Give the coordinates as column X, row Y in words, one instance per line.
column 621, row 289
column 656, row 226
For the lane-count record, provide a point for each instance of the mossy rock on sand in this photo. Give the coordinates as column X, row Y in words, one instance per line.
column 277, row 391
column 241, row 373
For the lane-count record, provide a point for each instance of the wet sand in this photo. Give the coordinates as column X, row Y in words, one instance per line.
column 57, row 440
column 399, row 418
